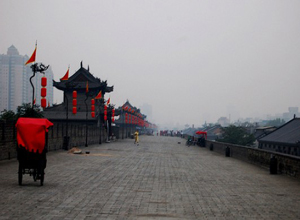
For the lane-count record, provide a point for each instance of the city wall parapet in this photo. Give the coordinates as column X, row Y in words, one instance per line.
column 56, row 134
column 285, row 164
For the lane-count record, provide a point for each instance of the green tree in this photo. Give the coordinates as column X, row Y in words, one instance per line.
column 7, row 115
column 26, row 110
column 276, row 122
column 236, row 135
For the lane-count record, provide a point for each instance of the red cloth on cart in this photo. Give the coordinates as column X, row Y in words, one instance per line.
column 31, row 133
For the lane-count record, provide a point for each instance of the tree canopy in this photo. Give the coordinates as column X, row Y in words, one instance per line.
column 25, row 110
column 7, row 115
column 276, row 122
column 236, row 135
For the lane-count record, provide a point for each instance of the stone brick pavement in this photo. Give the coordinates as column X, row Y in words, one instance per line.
column 159, row 179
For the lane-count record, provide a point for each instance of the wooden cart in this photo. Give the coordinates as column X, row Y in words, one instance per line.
column 32, row 147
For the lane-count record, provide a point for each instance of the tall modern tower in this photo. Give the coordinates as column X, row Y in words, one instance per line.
column 15, row 88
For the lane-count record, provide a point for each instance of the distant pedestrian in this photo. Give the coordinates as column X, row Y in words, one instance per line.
column 136, row 137
column 189, row 141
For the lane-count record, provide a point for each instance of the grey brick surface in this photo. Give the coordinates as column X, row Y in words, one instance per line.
column 159, row 179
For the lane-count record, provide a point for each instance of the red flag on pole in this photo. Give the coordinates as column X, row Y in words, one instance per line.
column 32, row 58
column 108, row 101
column 66, row 76
column 99, row 96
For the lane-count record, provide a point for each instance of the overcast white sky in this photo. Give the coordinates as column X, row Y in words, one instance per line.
column 192, row 61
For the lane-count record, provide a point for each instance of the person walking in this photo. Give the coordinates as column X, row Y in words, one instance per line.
column 136, row 137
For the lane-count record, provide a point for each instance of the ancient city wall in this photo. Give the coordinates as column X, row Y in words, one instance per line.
column 76, row 132
column 285, row 164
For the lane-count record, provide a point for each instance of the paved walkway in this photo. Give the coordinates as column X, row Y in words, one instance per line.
column 159, row 179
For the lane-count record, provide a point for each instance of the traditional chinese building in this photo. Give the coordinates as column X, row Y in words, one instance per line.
column 87, row 87
column 132, row 119
column 86, row 125
column 285, row 139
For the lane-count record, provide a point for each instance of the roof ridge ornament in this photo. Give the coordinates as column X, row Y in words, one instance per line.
column 81, row 64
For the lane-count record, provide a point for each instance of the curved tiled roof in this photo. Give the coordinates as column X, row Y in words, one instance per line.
column 288, row 133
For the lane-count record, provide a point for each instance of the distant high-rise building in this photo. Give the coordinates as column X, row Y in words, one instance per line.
column 15, row 88
column 223, row 121
column 293, row 111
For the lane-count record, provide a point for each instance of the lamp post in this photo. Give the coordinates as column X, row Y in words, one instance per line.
column 100, row 125
column 41, row 68
column 86, row 121
column 67, row 138
column 122, row 122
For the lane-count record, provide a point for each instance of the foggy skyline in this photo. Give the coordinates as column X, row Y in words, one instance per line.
column 192, row 61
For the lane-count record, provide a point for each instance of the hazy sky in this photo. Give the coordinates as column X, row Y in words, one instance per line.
column 192, row 61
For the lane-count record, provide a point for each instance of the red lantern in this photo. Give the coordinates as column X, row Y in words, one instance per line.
column 74, row 94
column 43, row 103
column 74, row 110
column 105, row 112
column 113, row 112
column 44, row 81
column 113, row 119
column 74, row 102
column 93, row 107
column 43, row 92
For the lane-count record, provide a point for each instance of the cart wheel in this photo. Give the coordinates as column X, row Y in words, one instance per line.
column 42, row 178
column 34, row 174
column 20, row 175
